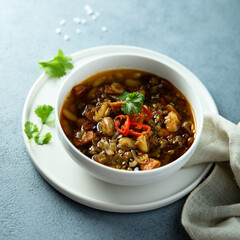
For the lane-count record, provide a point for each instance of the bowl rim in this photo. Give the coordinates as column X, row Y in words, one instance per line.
column 167, row 61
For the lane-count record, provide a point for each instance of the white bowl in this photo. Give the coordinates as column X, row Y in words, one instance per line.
column 166, row 68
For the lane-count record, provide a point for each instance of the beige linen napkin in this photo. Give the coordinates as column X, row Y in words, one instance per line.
column 212, row 210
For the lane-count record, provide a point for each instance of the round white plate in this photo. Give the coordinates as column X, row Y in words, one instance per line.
column 66, row 176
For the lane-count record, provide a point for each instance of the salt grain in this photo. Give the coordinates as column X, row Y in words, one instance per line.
column 83, row 21
column 76, row 20
column 104, row 29
column 97, row 14
column 94, row 17
column 58, row 30
column 62, row 22
column 86, row 7
column 78, row 31
column 66, row 37
column 89, row 11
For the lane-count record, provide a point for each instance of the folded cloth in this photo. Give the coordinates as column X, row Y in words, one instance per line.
column 212, row 210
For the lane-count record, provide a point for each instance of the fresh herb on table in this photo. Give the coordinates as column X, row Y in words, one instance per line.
column 46, row 113
column 134, row 102
column 58, row 65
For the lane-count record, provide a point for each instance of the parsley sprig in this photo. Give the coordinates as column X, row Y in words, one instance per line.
column 134, row 102
column 46, row 113
column 58, row 65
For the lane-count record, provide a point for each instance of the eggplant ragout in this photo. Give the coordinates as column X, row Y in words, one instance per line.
column 128, row 119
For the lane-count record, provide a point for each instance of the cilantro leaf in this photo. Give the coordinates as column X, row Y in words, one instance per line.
column 64, row 60
column 30, row 129
column 58, row 65
column 51, row 118
column 43, row 138
column 129, row 108
column 135, row 97
column 46, row 113
column 55, row 69
column 123, row 96
column 134, row 102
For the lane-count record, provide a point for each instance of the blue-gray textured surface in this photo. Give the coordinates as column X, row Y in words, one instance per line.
column 202, row 35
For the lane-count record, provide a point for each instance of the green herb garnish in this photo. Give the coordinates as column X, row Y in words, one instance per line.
column 134, row 102
column 46, row 113
column 58, row 65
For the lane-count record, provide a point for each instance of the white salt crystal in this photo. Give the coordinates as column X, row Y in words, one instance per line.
column 89, row 11
column 66, row 37
column 97, row 14
column 78, row 31
column 86, row 7
column 104, row 29
column 94, row 17
column 83, row 21
column 62, row 22
column 76, row 20
column 58, row 30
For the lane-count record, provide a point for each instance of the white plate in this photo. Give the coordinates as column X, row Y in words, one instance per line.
column 66, row 176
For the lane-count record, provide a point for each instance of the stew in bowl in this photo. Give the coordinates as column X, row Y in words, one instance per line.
column 129, row 119
column 105, row 127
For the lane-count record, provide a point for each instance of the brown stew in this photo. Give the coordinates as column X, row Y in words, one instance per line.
column 88, row 113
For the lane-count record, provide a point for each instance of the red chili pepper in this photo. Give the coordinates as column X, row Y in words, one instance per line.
column 139, row 126
column 147, row 112
column 125, row 126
